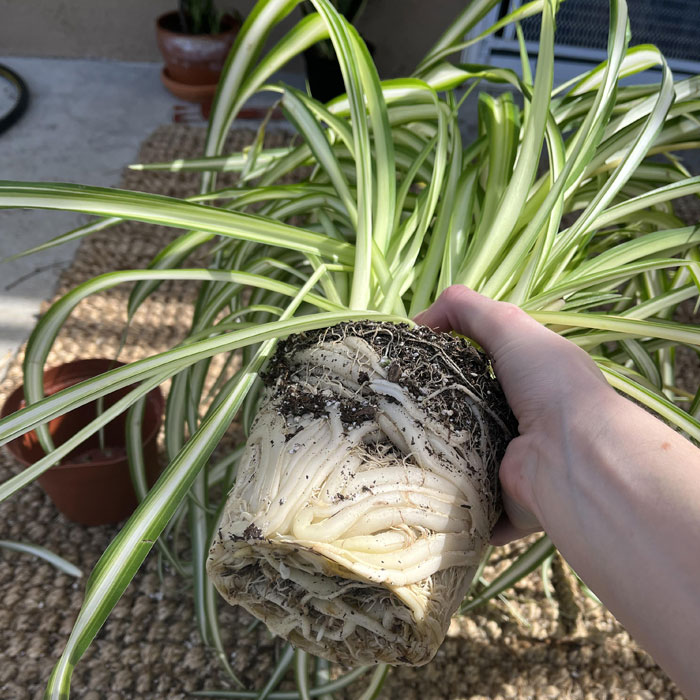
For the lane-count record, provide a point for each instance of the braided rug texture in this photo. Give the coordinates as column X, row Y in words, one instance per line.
column 529, row 647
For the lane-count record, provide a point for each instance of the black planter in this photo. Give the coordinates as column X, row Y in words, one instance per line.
column 323, row 72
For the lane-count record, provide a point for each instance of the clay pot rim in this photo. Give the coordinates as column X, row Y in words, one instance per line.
column 234, row 26
column 78, row 467
column 155, row 396
column 190, row 92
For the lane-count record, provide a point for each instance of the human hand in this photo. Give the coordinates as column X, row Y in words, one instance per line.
column 552, row 386
column 615, row 488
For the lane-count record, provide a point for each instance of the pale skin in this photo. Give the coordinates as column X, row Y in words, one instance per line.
column 616, row 489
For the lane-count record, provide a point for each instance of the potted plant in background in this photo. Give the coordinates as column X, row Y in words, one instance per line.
column 92, row 484
column 195, row 40
column 394, row 208
column 322, row 67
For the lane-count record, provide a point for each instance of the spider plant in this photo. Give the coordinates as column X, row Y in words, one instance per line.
column 350, row 9
column 562, row 204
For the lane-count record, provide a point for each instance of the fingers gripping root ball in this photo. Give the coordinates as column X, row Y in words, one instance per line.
column 367, row 491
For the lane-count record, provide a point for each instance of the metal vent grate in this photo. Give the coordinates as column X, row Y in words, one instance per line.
column 672, row 25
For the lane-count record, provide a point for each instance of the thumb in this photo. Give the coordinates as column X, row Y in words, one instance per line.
column 516, row 522
column 493, row 324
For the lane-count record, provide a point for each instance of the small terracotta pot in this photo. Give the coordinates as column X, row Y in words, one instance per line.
column 193, row 59
column 89, row 486
column 202, row 94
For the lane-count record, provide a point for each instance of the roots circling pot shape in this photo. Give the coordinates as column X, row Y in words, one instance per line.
column 367, row 491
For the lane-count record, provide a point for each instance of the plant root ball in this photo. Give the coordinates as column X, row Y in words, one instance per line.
column 367, row 491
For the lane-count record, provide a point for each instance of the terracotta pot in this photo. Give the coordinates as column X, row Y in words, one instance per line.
column 89, row 486
column 202, row 94
column 193, row 59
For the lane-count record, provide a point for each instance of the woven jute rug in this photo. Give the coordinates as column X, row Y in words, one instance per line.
column 527, row 647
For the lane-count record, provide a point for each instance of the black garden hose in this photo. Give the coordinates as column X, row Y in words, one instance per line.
column 21, row 100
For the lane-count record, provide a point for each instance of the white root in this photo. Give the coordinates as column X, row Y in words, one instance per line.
column 357, row 539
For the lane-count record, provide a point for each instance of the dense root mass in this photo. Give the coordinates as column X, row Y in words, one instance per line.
column 367, row 491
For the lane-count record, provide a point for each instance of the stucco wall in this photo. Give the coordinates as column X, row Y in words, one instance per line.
column 120, row 29
column 401, row 30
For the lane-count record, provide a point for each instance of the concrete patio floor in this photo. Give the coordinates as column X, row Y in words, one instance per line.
column 84, row 124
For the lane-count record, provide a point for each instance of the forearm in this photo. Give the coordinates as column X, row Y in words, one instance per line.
column 620, row 500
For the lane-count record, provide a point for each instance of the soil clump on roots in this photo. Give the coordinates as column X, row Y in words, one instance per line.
column 367, row 491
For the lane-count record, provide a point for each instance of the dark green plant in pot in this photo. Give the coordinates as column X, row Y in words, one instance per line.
column 199, row 16
column 366, row 488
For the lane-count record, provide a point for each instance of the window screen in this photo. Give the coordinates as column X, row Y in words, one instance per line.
column 672, row 25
